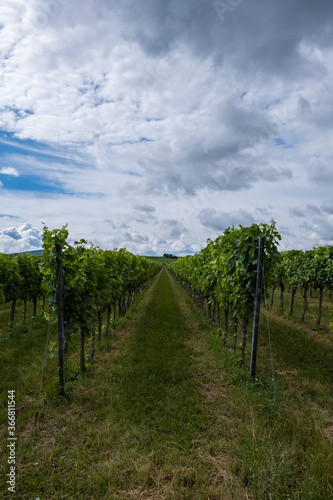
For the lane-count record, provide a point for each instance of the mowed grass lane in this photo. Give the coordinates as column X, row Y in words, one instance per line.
column 156, row 391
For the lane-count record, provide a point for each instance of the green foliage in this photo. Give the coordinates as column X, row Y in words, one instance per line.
column 304, row 269
column 225, row 270
column 52, row 349
column 31, row 277
column 93, row 279
column 169, row 256
column 10, row 279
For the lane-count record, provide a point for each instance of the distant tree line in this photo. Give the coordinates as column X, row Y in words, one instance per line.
column 170, row 256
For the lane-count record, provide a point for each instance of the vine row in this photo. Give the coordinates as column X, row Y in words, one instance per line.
column 222, row 276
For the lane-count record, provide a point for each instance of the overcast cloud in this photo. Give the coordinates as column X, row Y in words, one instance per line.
column 154, row 125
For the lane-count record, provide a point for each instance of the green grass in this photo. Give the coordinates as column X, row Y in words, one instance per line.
column 311, row 316
column 284, row 443
column 167, row 413
column 156, row 390
column 21, row 356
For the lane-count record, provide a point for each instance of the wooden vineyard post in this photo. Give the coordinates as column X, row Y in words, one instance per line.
column 61, row 335
column 256, row 319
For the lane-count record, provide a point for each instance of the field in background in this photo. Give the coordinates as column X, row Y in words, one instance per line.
column 160, row 260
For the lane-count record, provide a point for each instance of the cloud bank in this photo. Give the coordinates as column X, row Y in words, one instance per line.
column 170, row 119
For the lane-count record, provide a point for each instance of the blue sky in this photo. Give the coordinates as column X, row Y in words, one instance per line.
column 155, row 126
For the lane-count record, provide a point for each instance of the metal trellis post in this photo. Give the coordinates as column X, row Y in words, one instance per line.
column 256, row 319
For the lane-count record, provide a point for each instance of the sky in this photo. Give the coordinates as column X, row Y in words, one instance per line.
column 155, row 125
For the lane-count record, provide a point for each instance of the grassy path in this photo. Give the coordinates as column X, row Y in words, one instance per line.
column 167, row 414
column 156, row 390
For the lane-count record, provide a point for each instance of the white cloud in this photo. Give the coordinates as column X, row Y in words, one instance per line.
column 9, row 171
column 320, row 171
column 171, row 236
column 20, row 239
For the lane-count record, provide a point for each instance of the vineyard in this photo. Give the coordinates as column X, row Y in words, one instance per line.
column 94, row 283
column 222, row 277
column 171, row 368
